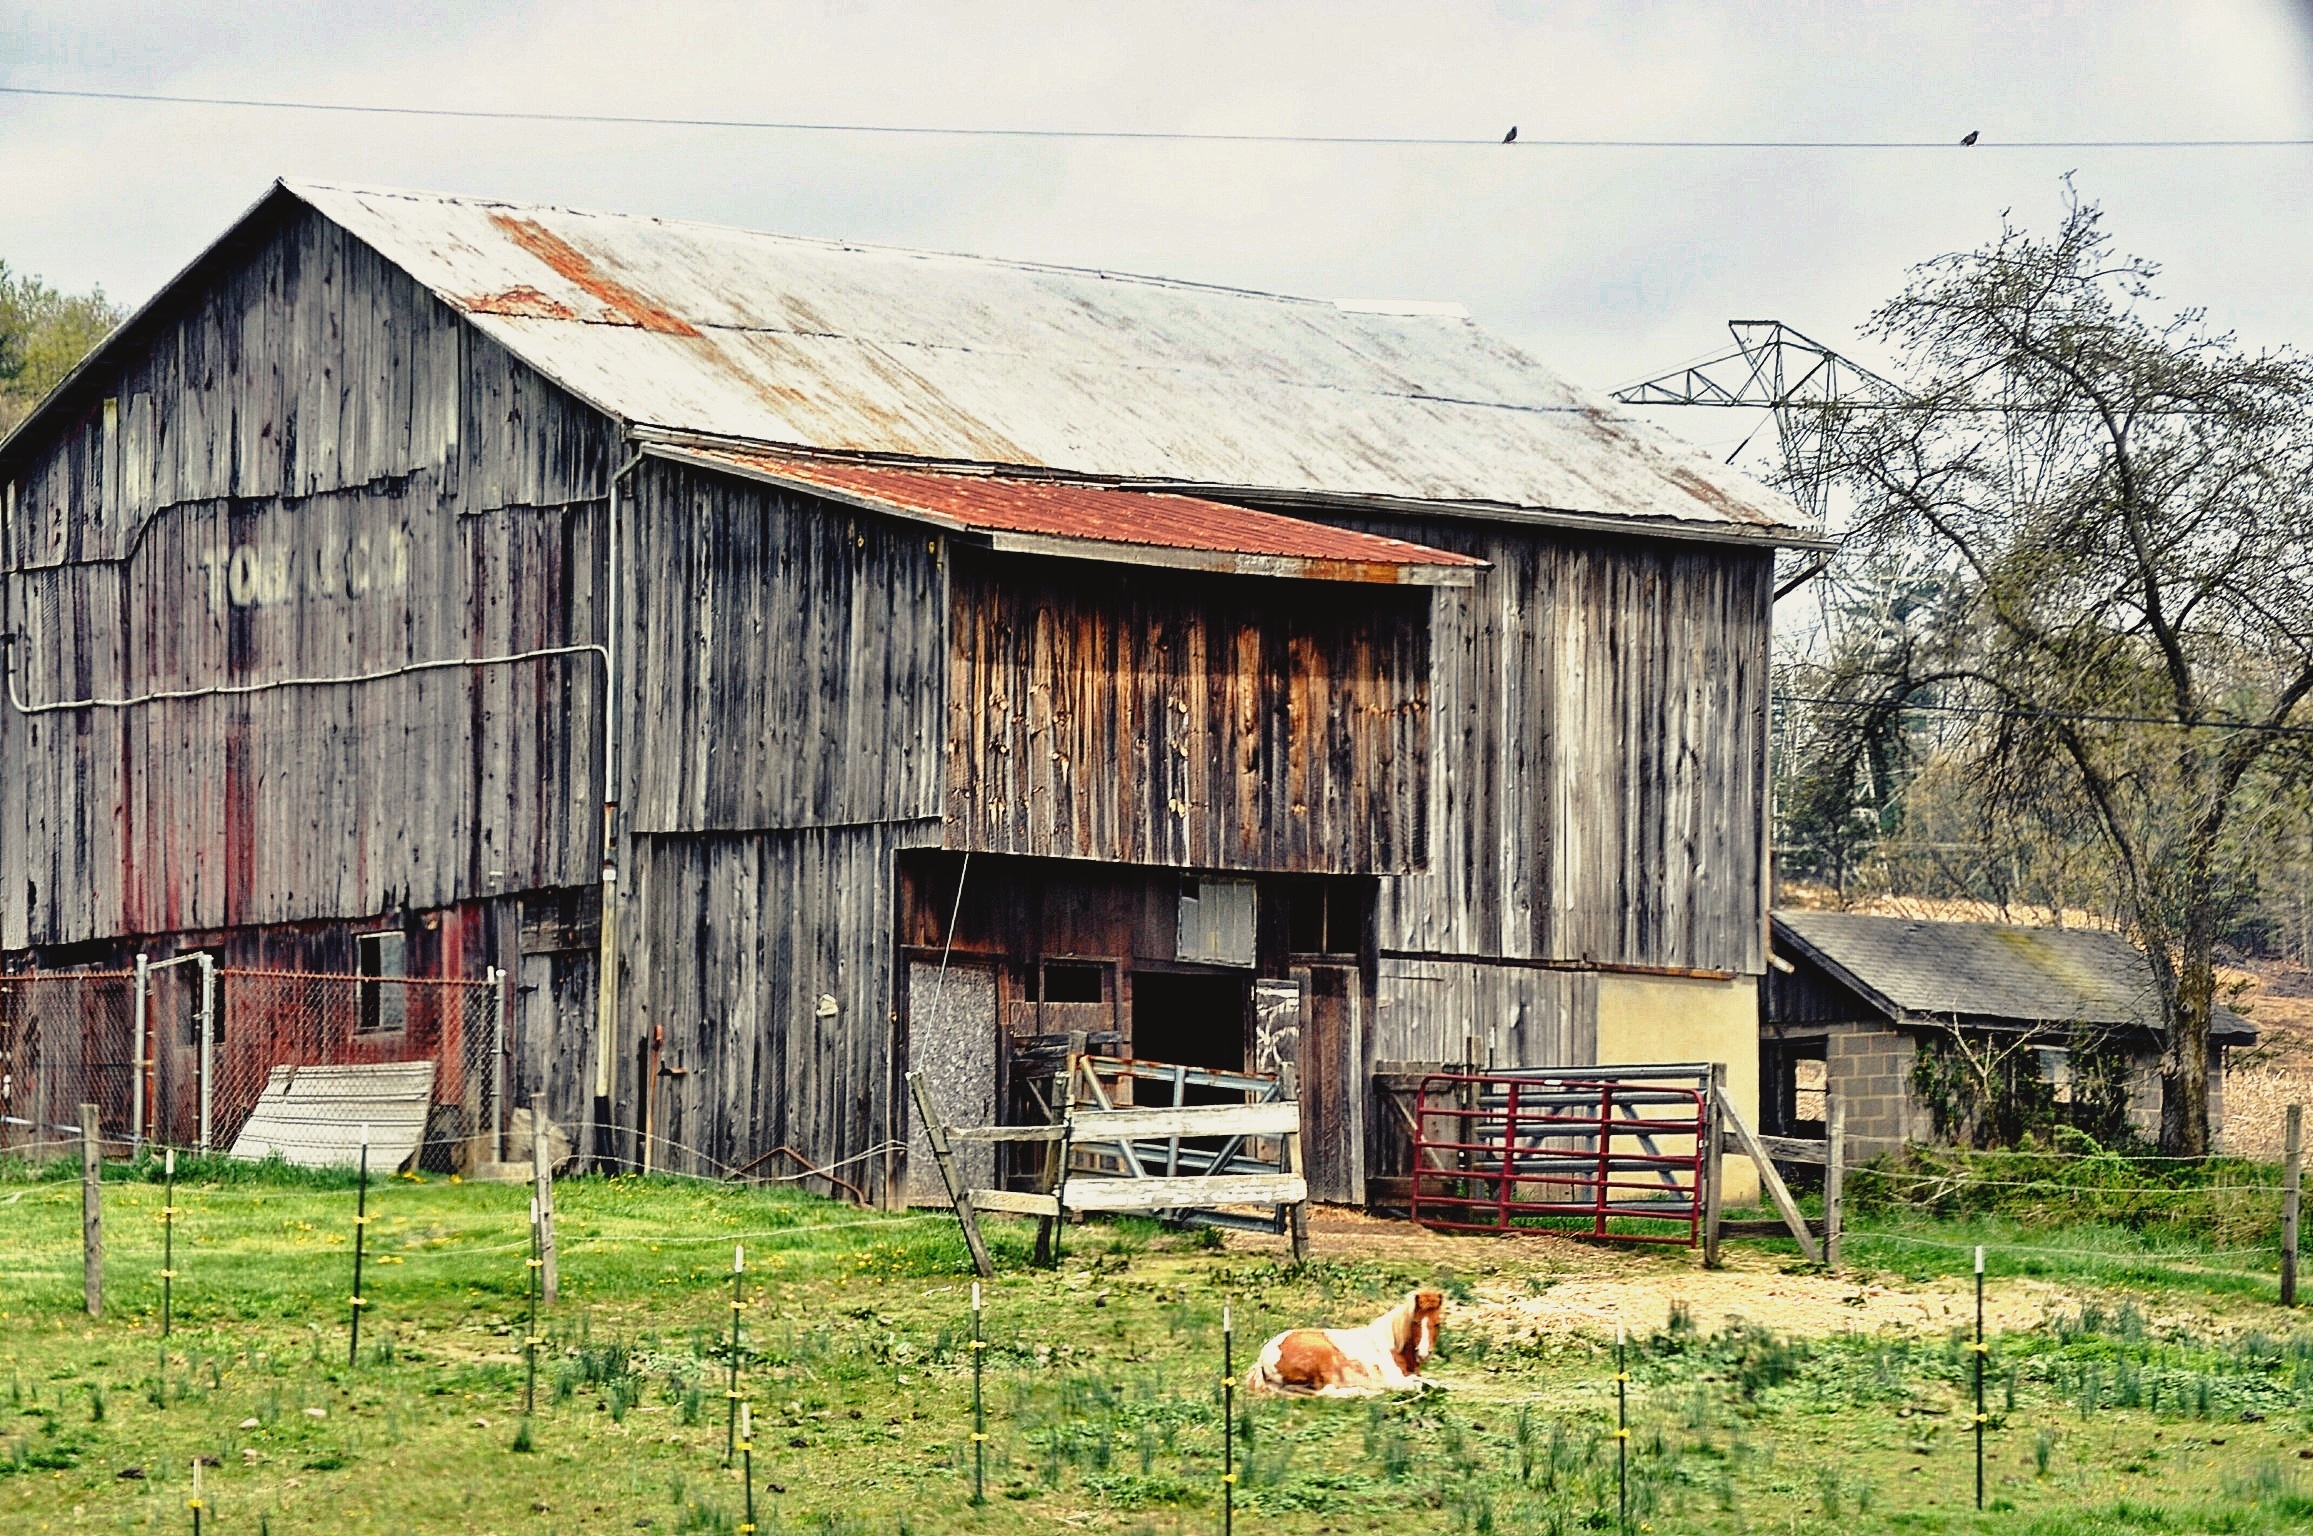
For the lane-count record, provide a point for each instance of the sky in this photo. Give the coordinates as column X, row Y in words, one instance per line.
column 1607, row 264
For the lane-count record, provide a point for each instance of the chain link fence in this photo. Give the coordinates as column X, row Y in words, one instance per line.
column 66, row 1039
column 188, row 1054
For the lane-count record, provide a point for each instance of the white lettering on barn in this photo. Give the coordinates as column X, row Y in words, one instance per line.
column 260, row 575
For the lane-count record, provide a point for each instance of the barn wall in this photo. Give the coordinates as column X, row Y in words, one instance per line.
column 316, row 471
column 1599, row 789
column 789, row 659
column 1512, row 1016
column 1197, row 721
column 736, row 938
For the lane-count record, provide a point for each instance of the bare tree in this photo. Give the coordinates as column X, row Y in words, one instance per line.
column 2122, row 500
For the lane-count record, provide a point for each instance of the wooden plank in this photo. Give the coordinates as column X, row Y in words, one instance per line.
column 1769, row 1179
column 1111, row 1125
column 1184, row 1194
column 1783, row 1149
column 962, row 1135
column 1015, row 1202
column 937, row 1134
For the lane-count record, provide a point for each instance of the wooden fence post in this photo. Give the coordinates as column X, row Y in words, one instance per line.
column 2291, row 1178
column 1834, row 1176
column 1716, row 1134
column 542, row 1186
column 91, row 1213
column 1296, row 1215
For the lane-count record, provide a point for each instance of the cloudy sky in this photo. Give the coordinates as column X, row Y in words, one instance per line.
column 1607, row 263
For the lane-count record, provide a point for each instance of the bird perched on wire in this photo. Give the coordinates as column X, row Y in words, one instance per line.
column 1512, row 136
column 1971, row 138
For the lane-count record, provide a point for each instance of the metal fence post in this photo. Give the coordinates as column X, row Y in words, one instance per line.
column 1714, row 1174
column 138, row 1065
column 498, row 1115
column 2291, row 1179
column 91, row 1213
column 1834, row 1175
column 208, row 1018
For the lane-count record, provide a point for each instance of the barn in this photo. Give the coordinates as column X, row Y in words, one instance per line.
column 787, row 662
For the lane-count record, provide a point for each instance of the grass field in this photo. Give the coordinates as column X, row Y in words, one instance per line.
column 2144, row 1399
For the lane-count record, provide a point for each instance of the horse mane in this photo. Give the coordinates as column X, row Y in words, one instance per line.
column 1400, row 1319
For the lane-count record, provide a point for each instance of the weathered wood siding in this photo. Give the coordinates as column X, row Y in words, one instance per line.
column 316, row 471
column 1510, row 1015
column 1153, row 717
column 1598, row 788
column 789, row 659
column 737, row 939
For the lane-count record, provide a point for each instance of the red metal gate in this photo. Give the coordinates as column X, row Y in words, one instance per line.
column 1555, row 1151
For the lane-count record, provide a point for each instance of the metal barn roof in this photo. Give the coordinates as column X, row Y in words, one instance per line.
column 847, row 348
column 1989, row 972
column 1070, row 519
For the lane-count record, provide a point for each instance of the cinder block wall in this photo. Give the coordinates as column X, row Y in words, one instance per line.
column 1870, row 1069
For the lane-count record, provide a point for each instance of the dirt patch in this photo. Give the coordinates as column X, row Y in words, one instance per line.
column 1807, row 1305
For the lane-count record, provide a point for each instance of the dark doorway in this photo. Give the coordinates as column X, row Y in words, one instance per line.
column 1192, row 1018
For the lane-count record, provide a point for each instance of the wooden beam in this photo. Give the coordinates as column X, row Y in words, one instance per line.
column 1014, row 1202
column 936, row 1132
column 1769, row 1179
column 968, row 1135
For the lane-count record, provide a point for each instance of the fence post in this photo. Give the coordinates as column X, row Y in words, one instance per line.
column 1834, row 1175
column 1716, row 1135
column 137, row 1063
column 542, row 1182
column 208, row 1017
column 2291, row 1179
column 91, row 1213
column 498, row 1065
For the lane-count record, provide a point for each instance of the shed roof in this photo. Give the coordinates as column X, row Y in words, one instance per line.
column 1074, row 520
column 1990, row 972
column 842, row 348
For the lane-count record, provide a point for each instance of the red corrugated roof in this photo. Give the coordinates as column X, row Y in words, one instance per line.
column 1103, row 522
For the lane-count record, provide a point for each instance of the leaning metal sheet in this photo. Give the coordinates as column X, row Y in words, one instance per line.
column 313, row 1116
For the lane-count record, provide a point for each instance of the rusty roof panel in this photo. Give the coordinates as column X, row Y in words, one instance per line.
column 824, row 345
column 1070, row 518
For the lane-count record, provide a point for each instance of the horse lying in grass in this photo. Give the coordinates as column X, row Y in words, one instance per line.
column 1386, row 1355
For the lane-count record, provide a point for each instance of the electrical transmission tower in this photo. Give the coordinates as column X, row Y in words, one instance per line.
column 1776, row 369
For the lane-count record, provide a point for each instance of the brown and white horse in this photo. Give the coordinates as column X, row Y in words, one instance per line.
column 1386, row 1355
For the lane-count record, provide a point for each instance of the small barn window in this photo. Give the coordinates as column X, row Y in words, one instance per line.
column 1323, row 917
column 1216, row 922
column 1809, row 1078
column 384, row 1001
column 2056, row 1071
column 1074, row 982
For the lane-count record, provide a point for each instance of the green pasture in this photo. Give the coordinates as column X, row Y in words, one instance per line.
column 1102, row 1382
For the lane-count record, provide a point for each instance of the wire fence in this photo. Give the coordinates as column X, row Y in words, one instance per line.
column 300, row 1064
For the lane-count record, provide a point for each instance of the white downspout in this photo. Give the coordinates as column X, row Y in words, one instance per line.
column 606, row 976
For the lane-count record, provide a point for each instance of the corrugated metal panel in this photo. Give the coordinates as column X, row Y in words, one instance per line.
column 1067, row 517
column 316, row 1117
column 840, row 347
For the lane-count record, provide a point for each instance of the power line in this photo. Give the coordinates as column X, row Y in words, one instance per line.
column 2087, row 717
column 1128, row 135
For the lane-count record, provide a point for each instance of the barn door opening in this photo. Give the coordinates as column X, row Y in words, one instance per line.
column 1190, row 1019
column 951, row 1037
